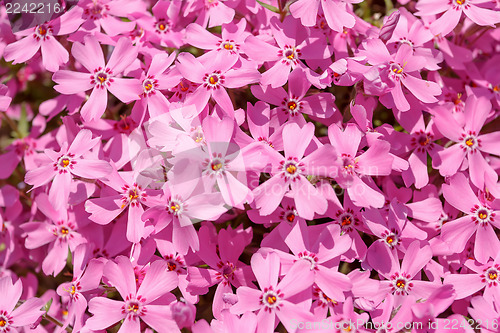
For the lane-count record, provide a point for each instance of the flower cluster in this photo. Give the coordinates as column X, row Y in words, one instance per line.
column 251, row 166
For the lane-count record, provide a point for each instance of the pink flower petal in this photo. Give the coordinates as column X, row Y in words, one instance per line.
column 106, row 312
column 28, row 312
column 53, row 54
column 126, row 90
column 95, row 106
column 104, row 210
column 459, row 194
column 89, row 55
column 70, row 83
column 160, row 319
column 11, row 293
column 123, row 55
column 121, row 276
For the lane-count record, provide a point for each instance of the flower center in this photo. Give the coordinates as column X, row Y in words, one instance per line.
column 101, row 78
column 64, row 162
column 175, row 207
column 4, row 322
column 162, row 26
column 290, row 55
column 132, row 195
column 214, row 80
column 310, row 257
column 491, row 275
column 470, row 142
column 349, row 164
column 216, row 166
column 133, row 308
column 391, row 239
column 149, row 86
column 396, row 69
column 197, row 134
column 482, row 215
column 291, row 168
column 42, row 32
column 346, row 220
column 401, row 284
column 290, row 217
column 271, row 299
column 424, row 140
column 64, row 231
column 171, row 266
column 291, row 106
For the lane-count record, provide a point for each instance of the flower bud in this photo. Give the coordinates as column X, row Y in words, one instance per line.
column 183, row 313
column 389, row 26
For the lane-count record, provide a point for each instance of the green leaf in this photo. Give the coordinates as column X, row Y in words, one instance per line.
column 23, row 125
column 271, row 8
column 47, row 305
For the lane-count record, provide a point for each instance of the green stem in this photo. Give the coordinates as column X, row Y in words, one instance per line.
column 53, row 320
column 11, row 124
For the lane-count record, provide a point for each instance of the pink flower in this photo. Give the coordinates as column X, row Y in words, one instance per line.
column 42, row 36
column 292, row 47
column 103, row 76
column 295, row 102
column 289, row 173
column 322, row 251
column 61, row 166
column 59, row 231
column 355, row 170
column 214, row 77
column 213, row 13
column 137, row 302
column 452, row 12
column 179, row 208
column 286, row 299
column 229, row 43
column 470, row 144
column 485, row 276
column 396, row 70
column 225, row 268
column 479, row 219
column 24, row 315
column 126, row 191
column 336, row 14
column 83, row 281
column 401, row 280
